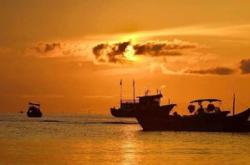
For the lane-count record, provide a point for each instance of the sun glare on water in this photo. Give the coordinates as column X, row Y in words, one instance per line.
column 129, row 53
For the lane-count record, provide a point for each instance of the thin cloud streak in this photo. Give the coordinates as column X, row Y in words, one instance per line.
column 200, row 30
column 213, row 71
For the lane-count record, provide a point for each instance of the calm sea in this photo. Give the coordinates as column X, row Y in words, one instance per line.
column 105, row 140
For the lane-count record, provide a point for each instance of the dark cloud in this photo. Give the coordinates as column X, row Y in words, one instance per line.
column 162, row 49
column 47, row 47
column 216, row 70
column 245, row 66
column 114, row 52
column 110, row 52
column 98, row 49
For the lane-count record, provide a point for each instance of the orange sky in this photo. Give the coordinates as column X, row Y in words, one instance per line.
column 70, row 55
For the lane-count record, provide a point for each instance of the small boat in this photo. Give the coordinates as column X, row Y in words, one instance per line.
column 210, row 118
column 34, row 110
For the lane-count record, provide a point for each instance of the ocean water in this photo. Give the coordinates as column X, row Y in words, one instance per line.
column 97, row 139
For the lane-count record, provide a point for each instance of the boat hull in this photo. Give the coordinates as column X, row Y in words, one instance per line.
column 208, row 123
column 34, row 114
column 133, row 112
column 122, row 113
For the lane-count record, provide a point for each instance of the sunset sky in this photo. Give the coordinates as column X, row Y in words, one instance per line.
column 69, row 55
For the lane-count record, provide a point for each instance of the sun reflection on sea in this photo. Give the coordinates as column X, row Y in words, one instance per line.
column 129, row 147
column 73, row 141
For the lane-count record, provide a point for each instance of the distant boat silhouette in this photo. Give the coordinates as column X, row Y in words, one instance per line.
column 34, row 110
column 209, row 119
column 129, row 108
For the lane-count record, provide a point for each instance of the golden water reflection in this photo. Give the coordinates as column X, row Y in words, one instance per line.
column 111, row 144
column 129, row 148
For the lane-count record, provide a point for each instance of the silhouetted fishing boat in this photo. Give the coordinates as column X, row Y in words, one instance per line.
column 211, row 118
column 129, row 108
column 34, row 110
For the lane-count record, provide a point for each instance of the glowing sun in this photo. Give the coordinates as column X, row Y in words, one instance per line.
column 129, row 53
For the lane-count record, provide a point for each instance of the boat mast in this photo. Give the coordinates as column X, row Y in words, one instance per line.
column 134, row 90
column 233, row 104
column 120, row 91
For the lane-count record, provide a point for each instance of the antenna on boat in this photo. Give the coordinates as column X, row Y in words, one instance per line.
column 121, row 91
column 134, row 90
column 233, row 104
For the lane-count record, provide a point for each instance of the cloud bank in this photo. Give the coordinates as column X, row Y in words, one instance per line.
column 115, row 52
column 112, row 53
column 59, row 49
column 168, row 56
column 47, row 47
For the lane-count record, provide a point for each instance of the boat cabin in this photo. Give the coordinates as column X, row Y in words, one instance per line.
column 147, row 100
column 150, row 100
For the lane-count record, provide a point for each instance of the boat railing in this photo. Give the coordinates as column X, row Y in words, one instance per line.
column 129, row 101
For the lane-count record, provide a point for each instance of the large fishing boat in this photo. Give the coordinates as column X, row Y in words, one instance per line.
column 209, row 118
column 130, row 108
column 142, row 104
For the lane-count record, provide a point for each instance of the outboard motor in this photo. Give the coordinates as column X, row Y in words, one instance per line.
column 191, row 108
